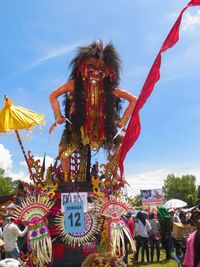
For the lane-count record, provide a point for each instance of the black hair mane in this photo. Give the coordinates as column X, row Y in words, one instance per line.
column 112, row 102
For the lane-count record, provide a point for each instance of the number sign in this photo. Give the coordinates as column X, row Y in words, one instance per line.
column 74, row 217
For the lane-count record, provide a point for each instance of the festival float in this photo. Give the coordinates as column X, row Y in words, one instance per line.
column 75, row 210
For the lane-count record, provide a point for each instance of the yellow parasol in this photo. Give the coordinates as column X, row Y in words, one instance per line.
column 17, row 118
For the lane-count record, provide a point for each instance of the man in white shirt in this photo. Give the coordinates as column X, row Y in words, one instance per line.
column 10, row 236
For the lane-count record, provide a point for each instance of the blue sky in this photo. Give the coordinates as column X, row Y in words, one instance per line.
column 38, row 40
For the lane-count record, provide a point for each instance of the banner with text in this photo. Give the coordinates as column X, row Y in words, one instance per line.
column 152, row 196
column 74, row 197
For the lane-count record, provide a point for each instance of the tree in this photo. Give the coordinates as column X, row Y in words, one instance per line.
column 198, row 195
column 134, row 201
column 7, row 185
column 183, row 188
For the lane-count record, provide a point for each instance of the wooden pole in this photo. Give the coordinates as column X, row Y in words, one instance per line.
column 23, row 151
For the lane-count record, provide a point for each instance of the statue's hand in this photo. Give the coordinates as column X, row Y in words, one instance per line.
column 121, row 126
column 60, row 120
column 57, row 121
column 52, row 126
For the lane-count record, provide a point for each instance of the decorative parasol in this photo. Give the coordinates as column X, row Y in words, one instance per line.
column 175, row 203
column 14, row 118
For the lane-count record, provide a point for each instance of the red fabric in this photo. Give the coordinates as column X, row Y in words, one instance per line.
column 189, row 254
column 58, row 250
column 57, row 196
column 72, row 247
column 134, row 127
column 54, row 230
column 131, row 225
column 194, row 3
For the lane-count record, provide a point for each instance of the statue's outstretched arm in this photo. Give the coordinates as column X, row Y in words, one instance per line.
column 53, row 98
column 129, row 110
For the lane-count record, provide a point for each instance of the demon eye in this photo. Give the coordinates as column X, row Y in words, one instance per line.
column 91, row 71
column 90, row 67
column 101, row 73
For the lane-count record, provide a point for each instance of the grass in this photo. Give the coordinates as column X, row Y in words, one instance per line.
column 163, row 262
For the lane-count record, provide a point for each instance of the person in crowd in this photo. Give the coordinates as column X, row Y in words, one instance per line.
column 3, row 214
column 131, row 223
column 9, row 263
column 142, row 229
column 171, row 212
column 1, row 241
column 184, row 216
column 192, row 255
column 154, row 237
column 176, row 217
column 165, row 230
column 195, row 216
column 154, row 210
column 10, row 236
column 1, row 233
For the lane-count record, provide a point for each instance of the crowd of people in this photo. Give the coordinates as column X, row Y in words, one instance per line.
column 153, row 231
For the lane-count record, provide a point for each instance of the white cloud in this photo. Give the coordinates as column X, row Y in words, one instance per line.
column 6, row 163
column 5, row 158
column 23, row 176
column 48, row 161
column 146, row 180
column 190, row 22
column 52, row 53
column 49, row 54
column 155, row 179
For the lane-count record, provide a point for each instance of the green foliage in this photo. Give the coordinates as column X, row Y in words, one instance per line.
column 198, row 192
column 7, row 185
column 134, row 201
column 183, row 188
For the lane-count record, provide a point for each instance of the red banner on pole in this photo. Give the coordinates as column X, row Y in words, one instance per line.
column 134, row 127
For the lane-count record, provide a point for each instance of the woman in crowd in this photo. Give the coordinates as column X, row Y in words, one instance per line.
column 154, row 236
column 192, row 255
column 195, row 217
column 142, row 229
column 165, row 230
column 1, row 236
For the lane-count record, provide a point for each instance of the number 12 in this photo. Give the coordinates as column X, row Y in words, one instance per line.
column 77, row 217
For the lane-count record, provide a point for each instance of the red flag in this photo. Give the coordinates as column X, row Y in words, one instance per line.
column 134, row 127
column 194, row 3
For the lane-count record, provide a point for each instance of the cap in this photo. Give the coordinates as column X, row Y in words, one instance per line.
column 171, row 210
